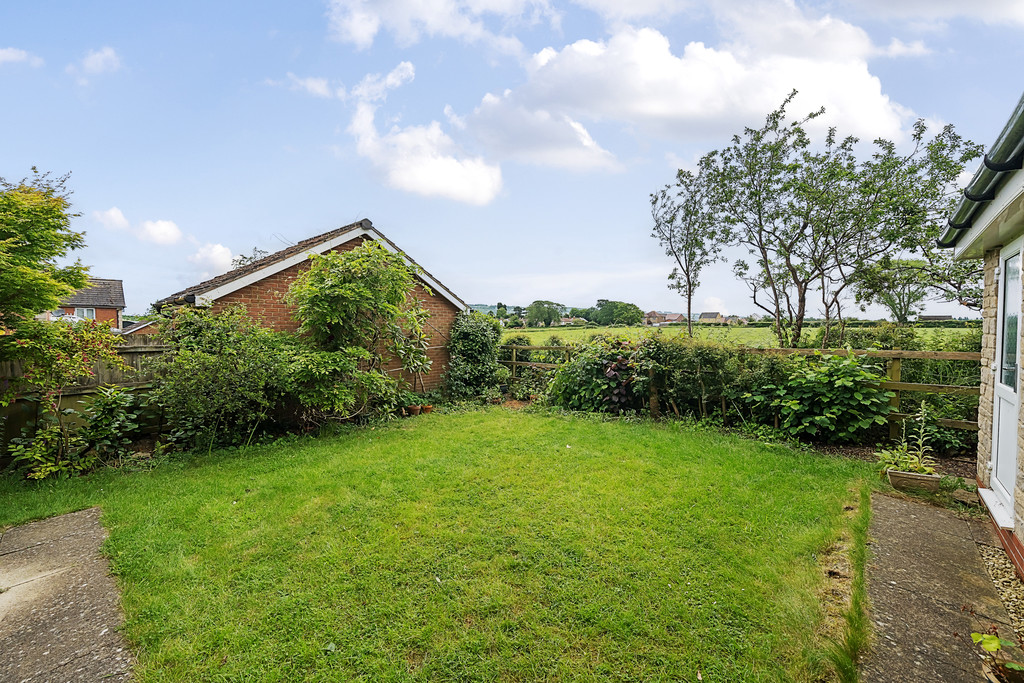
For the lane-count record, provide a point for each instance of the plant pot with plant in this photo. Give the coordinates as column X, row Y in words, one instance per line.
column 908, row 464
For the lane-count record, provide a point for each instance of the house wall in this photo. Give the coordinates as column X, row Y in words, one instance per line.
column 989, row 320
column 265, row 302
column 1013, row 542
column 103, row 315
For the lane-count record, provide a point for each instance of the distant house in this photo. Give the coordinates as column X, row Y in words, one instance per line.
column 674, row 318
column 711, row 317
column 101, row 300
column 652, row 318
column 572, row 321
column 261, row 287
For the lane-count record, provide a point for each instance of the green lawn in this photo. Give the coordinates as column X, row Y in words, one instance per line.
column 487, row 545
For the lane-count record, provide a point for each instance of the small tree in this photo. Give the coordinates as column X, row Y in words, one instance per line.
column 35, row 232
column 358, row 308
column 685, row 226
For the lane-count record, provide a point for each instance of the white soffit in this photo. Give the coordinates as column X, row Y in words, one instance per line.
column 209, row 297
column 1000, row 222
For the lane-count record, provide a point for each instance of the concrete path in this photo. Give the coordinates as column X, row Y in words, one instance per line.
column 59, row 608
column 929, row 591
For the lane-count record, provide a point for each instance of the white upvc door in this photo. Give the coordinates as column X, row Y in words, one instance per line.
column 1006, row 406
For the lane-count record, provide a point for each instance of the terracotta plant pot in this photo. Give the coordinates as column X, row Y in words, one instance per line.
column 427, row 409
column 413, row 410
column 912, row 481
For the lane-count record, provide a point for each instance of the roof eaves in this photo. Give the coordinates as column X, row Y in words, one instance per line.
column 1005, row 158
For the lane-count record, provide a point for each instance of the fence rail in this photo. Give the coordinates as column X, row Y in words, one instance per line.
column 894, row 367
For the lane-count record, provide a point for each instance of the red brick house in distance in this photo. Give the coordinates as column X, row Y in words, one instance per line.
column 261, row 287
column 101, row 300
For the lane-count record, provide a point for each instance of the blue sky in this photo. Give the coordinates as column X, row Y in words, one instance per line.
column 509, row 146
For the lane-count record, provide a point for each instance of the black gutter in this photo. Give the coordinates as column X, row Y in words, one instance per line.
column 1004, row 158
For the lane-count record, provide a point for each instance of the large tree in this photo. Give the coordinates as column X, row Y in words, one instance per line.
column 35, row 234
column 900, row 286
column 813, row 217
column 543, row 313
column 687, row 229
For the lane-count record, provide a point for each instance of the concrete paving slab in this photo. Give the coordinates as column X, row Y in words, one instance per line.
column 929, row 591
column 49, row 530
column 60, row 616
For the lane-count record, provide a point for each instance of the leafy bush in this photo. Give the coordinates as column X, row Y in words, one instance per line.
column 690, row 375
column 505, row 354
column 224, row 375
column 111, row 421
column 599, row 377
column 830, row 397
column 473, row 348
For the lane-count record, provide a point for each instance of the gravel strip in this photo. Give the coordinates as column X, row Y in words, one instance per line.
column 1008, row 584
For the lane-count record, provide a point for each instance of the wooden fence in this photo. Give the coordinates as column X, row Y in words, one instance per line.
column 135, row 353
column 894, row 363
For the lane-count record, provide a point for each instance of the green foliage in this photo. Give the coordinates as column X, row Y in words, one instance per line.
column 913, row 454
column 993, row 645
column 55, row 357
column 111, row 420
column 599, row 377
column 356, row 309
column 54, row 450
column 473, row 348
column 876, row 336
column 685, row 226
column 543, row 313
column 224, row 375
column 524, row 355
column 691, row 376
column 35, row 234
column 830, row 397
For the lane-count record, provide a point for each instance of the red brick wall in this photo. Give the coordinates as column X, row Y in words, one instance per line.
column 265, row 301
column 103, row 315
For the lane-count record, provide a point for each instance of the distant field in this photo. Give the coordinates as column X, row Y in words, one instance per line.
column 745, row 336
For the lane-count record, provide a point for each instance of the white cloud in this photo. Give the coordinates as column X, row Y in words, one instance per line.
column 374, row 87
column 318, row 87
column 512, row 131
column 95, row 62
column 897, row 48
column 359, row 21
column 14, row 55
column 212, row 259
column 424, row 160
column 160, row 232
column 987, row 11
column 713, row 303
column 635, row 80
column 111, row 219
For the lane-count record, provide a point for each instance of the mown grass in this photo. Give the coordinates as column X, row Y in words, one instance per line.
column 472, row 546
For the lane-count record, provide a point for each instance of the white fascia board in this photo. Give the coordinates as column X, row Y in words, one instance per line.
column 1000, row 222
column 211, row 296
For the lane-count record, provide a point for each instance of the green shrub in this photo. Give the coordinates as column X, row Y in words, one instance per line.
column 691, row 375
column 223, row 377
column 832, row 398
column 473, row 348
column 599, row 377
column 111, row 422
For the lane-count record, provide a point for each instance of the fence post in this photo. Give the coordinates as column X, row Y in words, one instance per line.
column 654, row 404
column 513, row 362
column 893, row 369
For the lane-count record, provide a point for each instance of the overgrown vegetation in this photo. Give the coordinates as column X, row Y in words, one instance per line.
column 473, row 348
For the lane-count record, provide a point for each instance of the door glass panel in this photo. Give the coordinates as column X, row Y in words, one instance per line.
column 1011, row 313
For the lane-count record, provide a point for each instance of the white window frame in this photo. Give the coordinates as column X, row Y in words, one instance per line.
column 86, row 313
